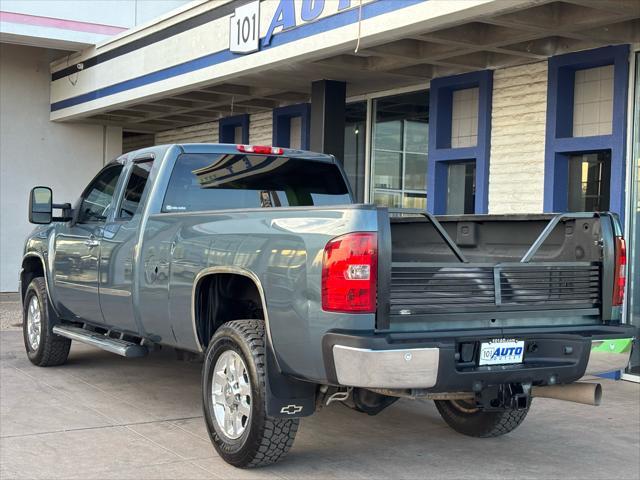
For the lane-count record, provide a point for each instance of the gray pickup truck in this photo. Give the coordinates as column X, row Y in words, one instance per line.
column 256, row 259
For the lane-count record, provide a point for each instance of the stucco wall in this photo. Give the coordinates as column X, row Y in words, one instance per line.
column 260, row 129
column 516, row 171
column 36, row 151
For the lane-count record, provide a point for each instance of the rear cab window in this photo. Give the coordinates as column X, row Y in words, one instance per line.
column 230, row 181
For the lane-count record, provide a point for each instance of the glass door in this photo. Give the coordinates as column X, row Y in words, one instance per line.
column 355, row 130
column 633, row 237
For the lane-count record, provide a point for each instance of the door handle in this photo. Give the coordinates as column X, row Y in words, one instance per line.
column 91, row 243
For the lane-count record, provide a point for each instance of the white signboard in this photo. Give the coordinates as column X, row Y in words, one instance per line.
column 245, row 28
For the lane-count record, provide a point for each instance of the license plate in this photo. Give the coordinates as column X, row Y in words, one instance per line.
column 501, row 352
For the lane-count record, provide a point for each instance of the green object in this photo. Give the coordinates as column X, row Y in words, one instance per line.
column 618, row 345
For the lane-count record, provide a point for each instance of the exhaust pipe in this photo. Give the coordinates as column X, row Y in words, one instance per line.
column 579, row 392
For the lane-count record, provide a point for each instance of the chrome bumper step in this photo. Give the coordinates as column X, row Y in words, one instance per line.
column 113, row 345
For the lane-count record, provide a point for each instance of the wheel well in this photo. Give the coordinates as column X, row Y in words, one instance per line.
column 31, row 268
column 222, row 297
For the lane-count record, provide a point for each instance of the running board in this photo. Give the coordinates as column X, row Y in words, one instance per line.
column 113, row 345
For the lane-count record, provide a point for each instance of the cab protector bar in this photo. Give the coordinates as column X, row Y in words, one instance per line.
column 439, row 228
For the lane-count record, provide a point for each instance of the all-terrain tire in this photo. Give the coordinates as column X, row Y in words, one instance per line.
column 477, row 423
column 265, row 439
column 52, row 349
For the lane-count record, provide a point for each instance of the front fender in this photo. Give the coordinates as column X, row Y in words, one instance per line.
column 38, row 247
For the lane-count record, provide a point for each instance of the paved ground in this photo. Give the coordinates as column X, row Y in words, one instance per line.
column 10, row 312
column 101, row 416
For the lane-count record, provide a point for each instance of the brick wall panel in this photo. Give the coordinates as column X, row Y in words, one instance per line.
column 518, row 123
column 201, row 133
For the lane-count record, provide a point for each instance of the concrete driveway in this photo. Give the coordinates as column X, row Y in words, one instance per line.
column 101, row 416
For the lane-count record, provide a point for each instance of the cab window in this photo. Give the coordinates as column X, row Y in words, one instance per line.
column 134, row 190
column 228, row 181
column 97, row 200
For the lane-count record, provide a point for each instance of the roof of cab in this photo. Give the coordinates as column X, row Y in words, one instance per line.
column 158, row 151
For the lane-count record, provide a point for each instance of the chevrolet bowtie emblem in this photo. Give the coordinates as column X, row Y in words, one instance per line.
column 291, row 409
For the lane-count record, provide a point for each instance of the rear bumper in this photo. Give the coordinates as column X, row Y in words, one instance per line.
column 402, row 368
column 434, row 362
column 608, row 355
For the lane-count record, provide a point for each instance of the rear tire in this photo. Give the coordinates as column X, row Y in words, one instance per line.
column 236, row 358
column 470, row 421
column 44, row 348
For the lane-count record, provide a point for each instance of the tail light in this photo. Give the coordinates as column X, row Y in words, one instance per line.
column 261, row 149
column 349, row 273
column 619, row 276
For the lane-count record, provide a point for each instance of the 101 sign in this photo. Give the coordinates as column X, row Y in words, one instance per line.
column 245, row 28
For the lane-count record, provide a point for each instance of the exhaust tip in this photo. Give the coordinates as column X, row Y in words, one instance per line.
column 579, row 392
column 597, row 394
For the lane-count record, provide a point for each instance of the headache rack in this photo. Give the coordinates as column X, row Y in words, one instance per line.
column 420, row 291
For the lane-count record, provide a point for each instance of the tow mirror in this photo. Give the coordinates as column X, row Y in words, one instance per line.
column 41, row 207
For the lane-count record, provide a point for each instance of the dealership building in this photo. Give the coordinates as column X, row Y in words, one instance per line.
column 474, row 106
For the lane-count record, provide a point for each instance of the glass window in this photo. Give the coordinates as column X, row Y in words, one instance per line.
column 225, row 181
column 387, row 198
column 593, row 101
column 388, row 174
column 98, row 197
column 354, row 146
column 589, row 178
column 464, row 117
column 135, row 188
column 295, row 133
column 399, row 153
column 461, row 188
column 237, row 134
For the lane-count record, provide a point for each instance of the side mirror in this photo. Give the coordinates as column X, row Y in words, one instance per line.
column 41, row 205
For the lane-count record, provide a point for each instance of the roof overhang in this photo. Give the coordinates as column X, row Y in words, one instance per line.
column 180, row 71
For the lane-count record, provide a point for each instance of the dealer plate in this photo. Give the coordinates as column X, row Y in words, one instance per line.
column 501, row 352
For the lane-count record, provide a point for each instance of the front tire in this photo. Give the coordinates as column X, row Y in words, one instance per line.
column 473, row 422
column 233, row 387
column 44, row 348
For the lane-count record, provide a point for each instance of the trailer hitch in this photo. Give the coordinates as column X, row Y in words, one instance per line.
column 505, row 397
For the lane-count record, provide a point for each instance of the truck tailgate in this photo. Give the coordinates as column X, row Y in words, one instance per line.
column 497, row 271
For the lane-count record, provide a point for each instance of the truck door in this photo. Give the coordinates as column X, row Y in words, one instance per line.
column 117, row 249
column 77, row 249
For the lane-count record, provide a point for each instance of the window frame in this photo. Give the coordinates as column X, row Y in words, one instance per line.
column 560, row 145
column 227, row 126
column 441, row 154
column 281, row 134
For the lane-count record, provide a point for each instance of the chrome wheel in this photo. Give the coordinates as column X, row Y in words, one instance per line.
column 34, row 323
column 231, row 394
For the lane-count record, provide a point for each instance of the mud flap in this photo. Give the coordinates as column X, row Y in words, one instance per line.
column 286, row 396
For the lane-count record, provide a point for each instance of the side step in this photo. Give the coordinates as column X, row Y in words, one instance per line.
column 113, row 345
